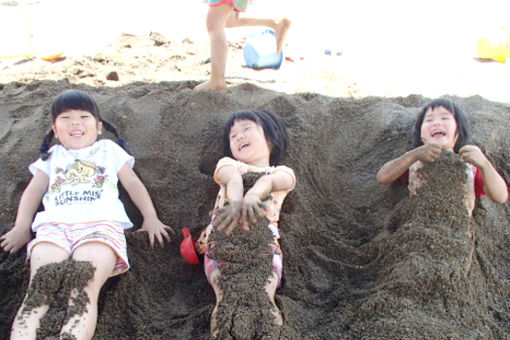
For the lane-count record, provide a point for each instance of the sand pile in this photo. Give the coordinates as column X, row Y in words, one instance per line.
column 360, row 260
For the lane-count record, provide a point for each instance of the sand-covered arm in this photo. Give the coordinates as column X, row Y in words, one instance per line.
column 494, row 185
column 393, row 169
column 253, row 206
column 229, row 218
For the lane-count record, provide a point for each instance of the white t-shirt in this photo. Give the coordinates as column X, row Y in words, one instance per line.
column 83, row 184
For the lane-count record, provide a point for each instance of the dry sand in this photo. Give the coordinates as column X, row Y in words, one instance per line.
column 360, row 261
column 395, row 48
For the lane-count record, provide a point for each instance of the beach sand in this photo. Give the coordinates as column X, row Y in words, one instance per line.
column 360, row 260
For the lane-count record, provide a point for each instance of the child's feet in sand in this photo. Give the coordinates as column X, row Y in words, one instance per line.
column 277, row 314
column 281, row 32
column 212, row 86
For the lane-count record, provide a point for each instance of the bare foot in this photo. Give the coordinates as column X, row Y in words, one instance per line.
column 271, row 291
column 281, row 32
column 277, row 314
column 214, row 323
column 219, row 295
column 212, row 86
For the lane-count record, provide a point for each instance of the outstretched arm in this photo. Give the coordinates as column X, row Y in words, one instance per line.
column 495, row 186
column 140, row 196
column 393, row 169
column 21, row 234
column 253, row 206
column 229, row 219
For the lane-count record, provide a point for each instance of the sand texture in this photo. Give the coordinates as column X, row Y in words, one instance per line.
column 361, row 260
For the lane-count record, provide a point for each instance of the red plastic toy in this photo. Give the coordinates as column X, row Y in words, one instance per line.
column 188, row 248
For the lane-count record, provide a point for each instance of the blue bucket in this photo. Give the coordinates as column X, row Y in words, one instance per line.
column 260, row 51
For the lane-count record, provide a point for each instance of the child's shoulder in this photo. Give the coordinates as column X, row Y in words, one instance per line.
column 287, row 170
column 107, row 143
column 227, row 160
column 284, row 168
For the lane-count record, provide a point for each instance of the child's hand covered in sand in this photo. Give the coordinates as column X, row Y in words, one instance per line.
column 156, row 230
column 16, row 238
column 428, row 152
column 472, row 154
column 228, row 218
column 253, row 208
column 495, row 186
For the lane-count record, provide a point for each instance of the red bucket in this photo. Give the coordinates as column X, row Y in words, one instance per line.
column 188, row 248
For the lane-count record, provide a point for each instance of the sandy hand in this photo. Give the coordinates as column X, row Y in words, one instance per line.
column 229, row 217
column 253, row 209
column 428, row 152
column 472, row 154
column 16, row 238
column 156, row 230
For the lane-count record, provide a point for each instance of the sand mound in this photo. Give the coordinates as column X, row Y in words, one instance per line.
column 360, row 262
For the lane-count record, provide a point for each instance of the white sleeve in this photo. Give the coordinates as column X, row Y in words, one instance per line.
column 119, row 155
column 39, row 164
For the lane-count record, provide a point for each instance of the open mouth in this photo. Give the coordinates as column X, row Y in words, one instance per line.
column 76, row 133
column 245, row 145
column 438, row 134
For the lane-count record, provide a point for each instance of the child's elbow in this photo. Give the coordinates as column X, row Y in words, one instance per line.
column 499, row 197
column 502, row 198
column 382, row 178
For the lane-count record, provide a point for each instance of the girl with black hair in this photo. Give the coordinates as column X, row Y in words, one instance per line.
column 83, row 218
column 254, row 142
column 442, row 126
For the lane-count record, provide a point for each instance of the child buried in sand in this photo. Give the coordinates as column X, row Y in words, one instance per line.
column 83, row 220
column 226, row 13
column 254, row 143
column 442, row 126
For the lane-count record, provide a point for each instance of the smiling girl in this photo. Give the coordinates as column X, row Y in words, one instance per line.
column 254, row 142
column 83, row 218
column 442, row 126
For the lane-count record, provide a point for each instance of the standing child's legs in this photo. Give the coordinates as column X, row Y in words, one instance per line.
column 217, row 17
column 25, row 325
column 280, row 26
column 103, row 258
column 221, row 16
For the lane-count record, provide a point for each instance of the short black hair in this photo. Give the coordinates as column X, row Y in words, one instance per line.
column 76, row 100
column 274, row 130
column 463, row 127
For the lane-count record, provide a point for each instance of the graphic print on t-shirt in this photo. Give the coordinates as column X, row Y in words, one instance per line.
column 81, row 181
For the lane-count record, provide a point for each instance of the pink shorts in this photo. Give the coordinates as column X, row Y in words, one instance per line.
column 239, row 5
column 71, row 236
column 211, row 265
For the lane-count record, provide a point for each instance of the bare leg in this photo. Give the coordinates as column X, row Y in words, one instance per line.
column 25, row 325
column 103, row 258
column 219, row 295
column 280, row 26
column 271, row 291
column 216, row 20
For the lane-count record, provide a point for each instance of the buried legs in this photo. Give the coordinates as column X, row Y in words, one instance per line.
column 28, row 318
column 82, row 324
column 270, row 289
column 96, row 260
